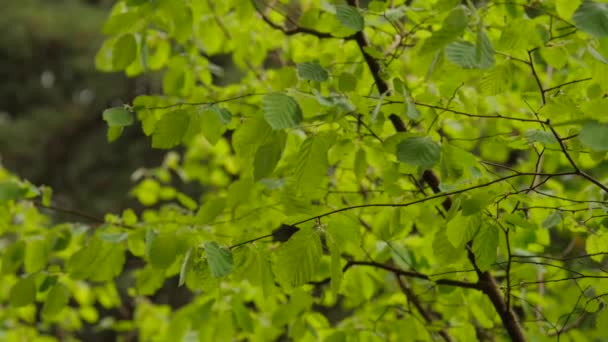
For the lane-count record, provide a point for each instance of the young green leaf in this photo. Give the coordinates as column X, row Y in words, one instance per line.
column 219, row 259
column 281, row 111
column 118, row 117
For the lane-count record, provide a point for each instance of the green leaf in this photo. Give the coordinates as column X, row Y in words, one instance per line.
column 211, row 126
column 254, row 265
column 118, row 117
column 266, row 159
column 12, row 257
column 36, row 255
column 312, row 163
column 350, row 17
column 219, row 259
column 463, row 54
column 484, row 247
column 595, row 136
column 114, row 133
column 210, row 210
column 312, row 72
column 124, row 51
column 453, row 26
column 162, row 250
column 552, row 220
column 185, row 267
column 360, row 164
column 170, row 129
column 592, row 17
column 56, row 300
column 223, row 113
column 419, row 151
column 297, row 260
column 23, row 292
column 444, row 250
column 485, row 50
column 543, row 137
column 281, row 111
column 461, row 229
column 347, row 82
column 11, row 190
column 335, row 267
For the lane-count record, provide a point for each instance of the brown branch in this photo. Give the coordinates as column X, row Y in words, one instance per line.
column 412, row 274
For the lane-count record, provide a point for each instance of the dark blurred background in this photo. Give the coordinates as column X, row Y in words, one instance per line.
column 51, row 100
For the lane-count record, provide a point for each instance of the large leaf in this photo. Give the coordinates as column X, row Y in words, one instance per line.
column 219, row 259
column 254, row 265
column 350, row 17
column 170, row 129
column 592, row 17
column 484, row 247
column 297, row 260
column 595, row 135
column 312, row 164
column 419, row 151
column 281, row 111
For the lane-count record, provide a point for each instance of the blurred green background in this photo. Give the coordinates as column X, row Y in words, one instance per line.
column 51, row 99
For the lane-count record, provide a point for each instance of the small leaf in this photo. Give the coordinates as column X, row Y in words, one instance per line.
column 23, row 292
column 184, row 268
column 170, row 129
column 124, row 51
column 419, row 151
column 484, row 247
column 117, row 117
column 36, row 255
column 219, row 259
column 595, row 135
column 56, row 300
column 312, row 72
column 463, row 54
column 592, row 17
column 281, row 111
column 350, row 17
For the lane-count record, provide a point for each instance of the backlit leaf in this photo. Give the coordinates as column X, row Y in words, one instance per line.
column 219, row 259
column 281, row 111
column 350, row 17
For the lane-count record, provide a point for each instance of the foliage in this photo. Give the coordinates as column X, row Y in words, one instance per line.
column 402, row 171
